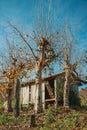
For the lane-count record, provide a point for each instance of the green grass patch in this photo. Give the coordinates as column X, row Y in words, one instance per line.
column 68, row 122
column 1, row 105
column 6, row 118
column 3, row 118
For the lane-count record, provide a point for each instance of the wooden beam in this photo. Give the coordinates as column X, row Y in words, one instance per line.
column 50, row 91
column 47, row 100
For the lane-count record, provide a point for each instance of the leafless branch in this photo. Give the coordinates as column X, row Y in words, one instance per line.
column 25, row 41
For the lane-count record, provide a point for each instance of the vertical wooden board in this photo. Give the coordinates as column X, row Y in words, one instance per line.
column 43, row 95
column 21, row 95
column 25, row 95
column 33, row 89
column 56, row 92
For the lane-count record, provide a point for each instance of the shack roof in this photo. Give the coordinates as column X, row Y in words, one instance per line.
column 43, row 79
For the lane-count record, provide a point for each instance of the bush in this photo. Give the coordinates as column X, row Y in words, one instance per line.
column 50, row 115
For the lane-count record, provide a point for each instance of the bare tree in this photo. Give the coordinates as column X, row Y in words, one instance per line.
column 46, row 44
column 46, row 51
column 70, row 62
column 13, row 72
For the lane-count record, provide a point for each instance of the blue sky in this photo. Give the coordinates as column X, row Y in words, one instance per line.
column 23, row 13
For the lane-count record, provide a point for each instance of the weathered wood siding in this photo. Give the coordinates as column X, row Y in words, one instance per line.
column 43, row 95
column 30, row 92
column 33, row 89
column 24, row 95
column 74, row 88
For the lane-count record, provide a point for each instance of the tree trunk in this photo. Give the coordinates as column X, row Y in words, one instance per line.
column 32, row 121
column 66, row 89
column 17, row 99
column 8, row 100
column 38, row 92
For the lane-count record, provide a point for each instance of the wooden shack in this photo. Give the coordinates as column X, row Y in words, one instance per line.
column 50, row 90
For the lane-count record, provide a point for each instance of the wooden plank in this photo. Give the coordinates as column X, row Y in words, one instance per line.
column 47, row 100
column 49, row 90
column 56, row 93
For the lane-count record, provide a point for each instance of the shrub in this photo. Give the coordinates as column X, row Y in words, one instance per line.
column 50, row 115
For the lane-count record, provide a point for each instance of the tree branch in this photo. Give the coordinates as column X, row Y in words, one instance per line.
column 79, row 79
column 23, row 40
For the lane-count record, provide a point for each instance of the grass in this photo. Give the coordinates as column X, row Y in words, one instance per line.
column 1, row 105
column 51, row 119
column 68, row 122
column 9, row 119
